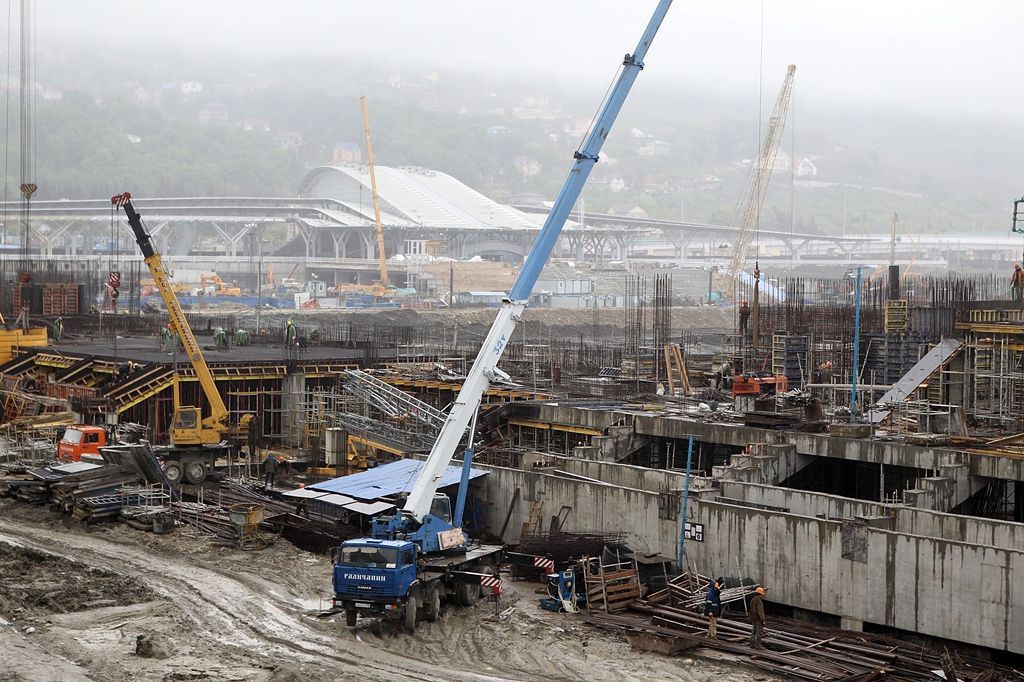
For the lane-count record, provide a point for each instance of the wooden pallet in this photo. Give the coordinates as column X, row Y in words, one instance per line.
column 610, row 587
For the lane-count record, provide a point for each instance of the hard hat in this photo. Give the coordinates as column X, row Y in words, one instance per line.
column 759, row 590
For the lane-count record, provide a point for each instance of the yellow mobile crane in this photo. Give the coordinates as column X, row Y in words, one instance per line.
column 195, row 442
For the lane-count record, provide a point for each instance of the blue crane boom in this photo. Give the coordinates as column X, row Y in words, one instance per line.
column 484, row 369
column 420, row 556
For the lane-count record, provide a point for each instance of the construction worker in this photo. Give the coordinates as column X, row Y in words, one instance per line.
column 58, row 328
column 757, row 618
column 1017, row 282
column 253, row 435
column 220, row 338
column 713, row 606
column 744, row 316
column 291, row 334
column 241, row 337
column 270, row 465
column 165, row 337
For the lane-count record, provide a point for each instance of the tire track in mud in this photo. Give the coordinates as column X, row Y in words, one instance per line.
column 231, row 610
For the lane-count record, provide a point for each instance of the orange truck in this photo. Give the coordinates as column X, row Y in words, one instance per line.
column 79, row 440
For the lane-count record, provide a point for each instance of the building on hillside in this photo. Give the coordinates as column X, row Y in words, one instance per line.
column 656, row 148
column 627, row 210
column 805, row 167
column 617, row 184
column 288, row 139
column 213, row 112
column 256, row 124
column 191, row 88
column 347, row 152
column 527, row 166
column 709, row 183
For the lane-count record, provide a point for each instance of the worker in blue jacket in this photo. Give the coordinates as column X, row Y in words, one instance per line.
column 713, row 606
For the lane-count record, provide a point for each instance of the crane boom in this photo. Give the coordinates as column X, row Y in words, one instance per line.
column 763, row 167
column 485, row 367
column 216, row 422
column 376, row 198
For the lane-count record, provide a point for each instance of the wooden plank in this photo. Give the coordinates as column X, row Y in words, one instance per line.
column 624, row 587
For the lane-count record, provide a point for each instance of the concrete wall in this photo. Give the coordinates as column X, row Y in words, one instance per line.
column 936, row 587
column 800, row 502
column 971, row 530
column 818, row 445
column 921, row 522
column 595, row 507
column 939, row 587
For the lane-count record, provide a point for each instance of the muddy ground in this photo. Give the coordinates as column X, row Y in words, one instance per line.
column 113, row 603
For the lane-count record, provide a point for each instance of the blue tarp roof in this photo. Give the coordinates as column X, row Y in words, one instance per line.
column 388, row 479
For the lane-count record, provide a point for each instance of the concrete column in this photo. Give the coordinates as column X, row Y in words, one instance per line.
column 293, row 390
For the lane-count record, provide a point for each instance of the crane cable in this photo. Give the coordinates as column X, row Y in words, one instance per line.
column 7, row 121
column 760, row 114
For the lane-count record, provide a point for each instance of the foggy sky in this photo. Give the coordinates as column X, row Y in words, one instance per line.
column 939, row 56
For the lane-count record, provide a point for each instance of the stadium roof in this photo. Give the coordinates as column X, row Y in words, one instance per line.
column 417, row 196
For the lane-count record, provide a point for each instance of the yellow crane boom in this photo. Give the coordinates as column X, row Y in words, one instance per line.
column 763, row 166
column 384, row 281
column 187, row 427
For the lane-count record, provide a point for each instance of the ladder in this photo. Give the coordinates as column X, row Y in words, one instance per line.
column 392, row 401
column 675, row 369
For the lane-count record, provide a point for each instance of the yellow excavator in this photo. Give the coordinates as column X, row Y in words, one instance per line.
column 196, row 442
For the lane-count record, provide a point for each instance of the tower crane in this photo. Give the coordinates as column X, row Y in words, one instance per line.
column 384, row 281
column 381, row 289
column 381, row 574
column 763, row 166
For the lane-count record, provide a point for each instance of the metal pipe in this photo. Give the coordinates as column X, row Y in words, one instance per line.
column 856, row 352
column 686, row 498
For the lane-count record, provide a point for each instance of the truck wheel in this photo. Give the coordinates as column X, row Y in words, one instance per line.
column 432, row 607
column 350, row 618
column 410, row 615
column 489, row 570
column 174, row 471
column 195, row 471
column 465, row 593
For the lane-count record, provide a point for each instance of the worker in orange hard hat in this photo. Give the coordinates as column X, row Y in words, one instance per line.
column 757, row 618
column 1017, row 282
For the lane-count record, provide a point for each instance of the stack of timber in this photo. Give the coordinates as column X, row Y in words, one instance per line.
column 89, row 491
column 799, row 651
column 689, row 590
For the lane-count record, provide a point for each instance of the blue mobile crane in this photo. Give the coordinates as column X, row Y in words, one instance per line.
column 419, row 557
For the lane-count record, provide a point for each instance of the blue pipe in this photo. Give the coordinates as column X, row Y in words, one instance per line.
column 460, row 501
column 680, row 558
column 584, row 160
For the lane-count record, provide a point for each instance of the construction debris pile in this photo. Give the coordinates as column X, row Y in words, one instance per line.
column 89, row 491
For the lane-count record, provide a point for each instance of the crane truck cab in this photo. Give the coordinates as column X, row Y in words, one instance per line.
column 81, row 439
column 372, row 577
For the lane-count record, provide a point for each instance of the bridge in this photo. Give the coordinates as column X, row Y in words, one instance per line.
column 424, row 212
